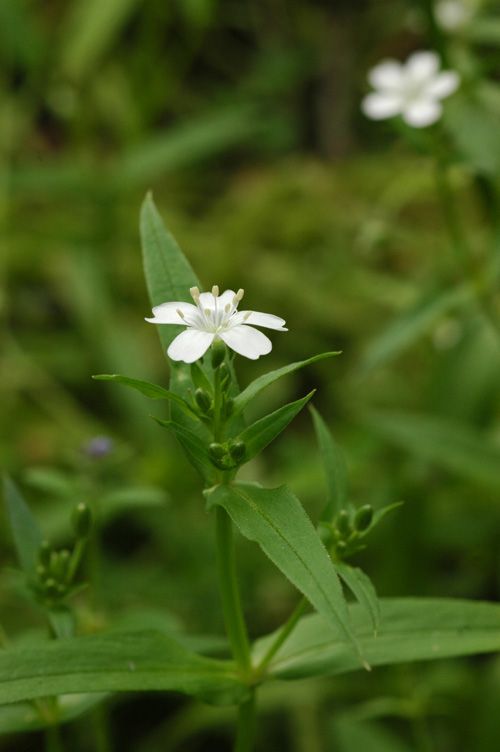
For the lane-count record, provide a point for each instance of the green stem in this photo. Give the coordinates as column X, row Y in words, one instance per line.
column 245, row 736
column 450, row 214
column 231, row 604
column 217, row 426
column 282, row 635
column 53, row 742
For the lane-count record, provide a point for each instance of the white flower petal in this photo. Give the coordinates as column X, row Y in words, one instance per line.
column 443, row 85
column 268, row 320
column 422, row 112
column 422, row 66
column 387, row 75
column 166, row 313
column 226, row 297
column 247, row 341
column 190, row 345
column 379, row 106
column 207, row 300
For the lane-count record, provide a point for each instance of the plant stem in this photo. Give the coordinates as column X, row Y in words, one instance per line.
column 231, row 603
column 53, row 741
column 450, row 214
column 245, row 736
column 282, row 635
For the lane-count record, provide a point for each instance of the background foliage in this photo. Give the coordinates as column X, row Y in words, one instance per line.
column 244, row 120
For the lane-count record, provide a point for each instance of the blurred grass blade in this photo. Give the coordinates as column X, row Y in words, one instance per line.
column 363, row 590
column 412, row 629
column 450, row 444
column 25, row 530
column 263, row 431
column 275, row 519
column 334, row 466
column 153, row 391
column 353, row 735
column 253, row 389
column 114, row 663
column 89, row 31
column 412, row 324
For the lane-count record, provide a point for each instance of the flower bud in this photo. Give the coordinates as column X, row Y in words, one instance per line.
column 51, row 588
column 343, row 523
column 225, row 375
column 82, row 520
column 237, row 450
column 202, row 400
column 363, row 518
column 217, row 453
column 218, row 353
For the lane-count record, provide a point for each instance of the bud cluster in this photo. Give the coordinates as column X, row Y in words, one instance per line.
column 348, row 529
column 56, row 569
column 229, row 455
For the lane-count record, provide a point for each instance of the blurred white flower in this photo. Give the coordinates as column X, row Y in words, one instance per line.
column 216, row 317
column 412, row 89
column 452, row 15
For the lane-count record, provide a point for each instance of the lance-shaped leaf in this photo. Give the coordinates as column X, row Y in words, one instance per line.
column 411, row 629
column 251, row 391
column 275, row 519
column 363, row 590
column 25, row 531
column 263, row 431
column 153, row 391
column 334, row 466
column 194, row 446
column 114, row 663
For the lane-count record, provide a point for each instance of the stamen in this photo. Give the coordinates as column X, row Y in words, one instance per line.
column 247, row 315
column 239, row 294
column 195, row 294
column 180, row 313
column 215, row 291
column 227, row 307
column 207, row 312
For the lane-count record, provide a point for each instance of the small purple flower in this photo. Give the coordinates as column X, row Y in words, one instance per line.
column 99, row 447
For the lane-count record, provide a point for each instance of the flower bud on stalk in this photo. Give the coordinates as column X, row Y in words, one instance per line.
column 343, row 523
column 82, row 520
column 218, row 353
column 363, row 518
column 203, row 400
column 237, row 450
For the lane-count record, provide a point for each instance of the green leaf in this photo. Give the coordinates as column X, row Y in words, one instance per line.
column 263, row 431
column 335, row 468
column 412, row 324
column 194, row 447
column 25, row 530
column 275, row 519
column 169, row 275
column 18, row 717
column 141, row 661
column 453, row 445
column 363, row 590
column 412, row 629
column 251, row 391
column 153, row 391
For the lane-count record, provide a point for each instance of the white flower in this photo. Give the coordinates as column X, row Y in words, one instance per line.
column 453, row 15
column 215, row 317
column 412, row 89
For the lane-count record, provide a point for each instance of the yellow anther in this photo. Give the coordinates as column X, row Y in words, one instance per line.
column 195, row 293
column 227, row 307
column 215, row 291
column 247, row 315
column 180, row 313
column 239, row 294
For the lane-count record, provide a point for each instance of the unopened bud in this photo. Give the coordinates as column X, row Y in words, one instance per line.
column 228, row 406
column 216, row 451
column 237, row 450
column 343, row 523
column 363, row 518
column 51, row 588
column 82, row 520
column 218, row 353
column 202, row 400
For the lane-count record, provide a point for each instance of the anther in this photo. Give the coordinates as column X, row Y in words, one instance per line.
column 227, row 307
column 195, row 294
column 247, row 315
column 180, row 313
column 215, row 291
column 239, row 294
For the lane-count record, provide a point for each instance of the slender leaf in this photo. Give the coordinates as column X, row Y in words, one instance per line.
column 363, row 590
column 25, row 531
column 275, row 519
column 153, row 391
column 114, row 663
column 449, row 443
column 412, row 629
column 251, row 391
column 263, row 431
column 335, row 468
column 18, row 717
column 194, row 447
